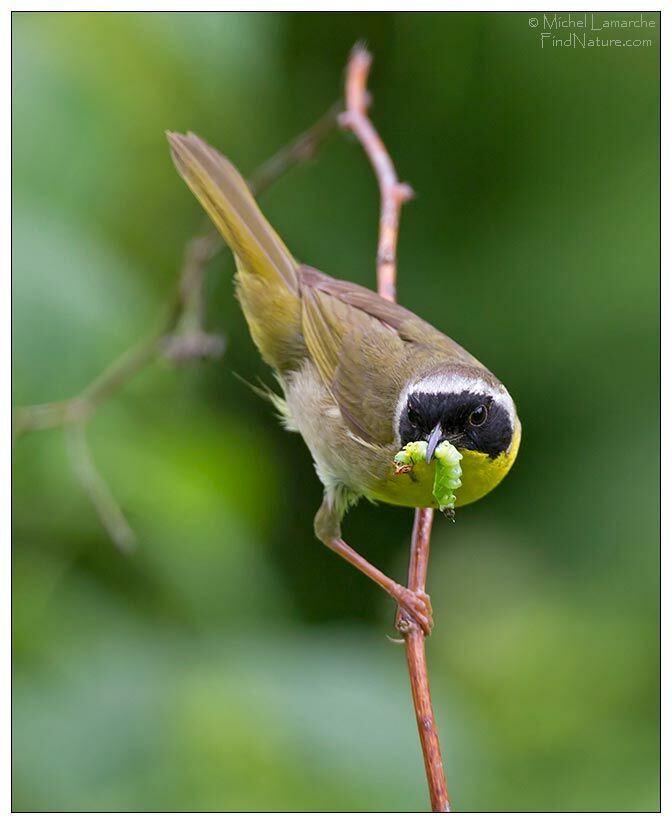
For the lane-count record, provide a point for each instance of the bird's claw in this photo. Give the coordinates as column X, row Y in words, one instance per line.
column 415, row 610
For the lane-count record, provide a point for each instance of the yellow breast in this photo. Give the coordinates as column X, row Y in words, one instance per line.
column 480, row 475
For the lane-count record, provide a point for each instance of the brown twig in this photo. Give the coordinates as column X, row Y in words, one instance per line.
column 393, row 195
column 179, row 337
column 417, row 668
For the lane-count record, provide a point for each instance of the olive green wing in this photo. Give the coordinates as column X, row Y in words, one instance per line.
column 366, row 350
column 356, row 357
column 408, row 326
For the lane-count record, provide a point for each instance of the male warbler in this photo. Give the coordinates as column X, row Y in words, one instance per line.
column 361, row 377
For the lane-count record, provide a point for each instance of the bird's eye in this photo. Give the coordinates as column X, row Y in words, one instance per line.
column 413, row 415
column 479, row 415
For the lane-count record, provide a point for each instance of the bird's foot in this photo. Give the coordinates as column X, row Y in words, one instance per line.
column 415, row 610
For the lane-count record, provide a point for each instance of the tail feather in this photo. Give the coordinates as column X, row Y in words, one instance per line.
column 226, row 198
column 267, row 281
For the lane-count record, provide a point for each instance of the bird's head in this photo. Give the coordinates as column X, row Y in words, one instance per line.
column 470, row 408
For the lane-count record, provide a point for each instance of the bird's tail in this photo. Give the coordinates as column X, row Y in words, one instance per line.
column 267, row 279
column 226, row 198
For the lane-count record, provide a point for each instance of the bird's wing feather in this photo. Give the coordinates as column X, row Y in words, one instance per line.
column 323, row 331
column 405, row 323
column 366, row 350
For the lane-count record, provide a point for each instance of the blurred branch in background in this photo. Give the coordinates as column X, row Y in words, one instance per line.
column 179, row 337
column 393, row 195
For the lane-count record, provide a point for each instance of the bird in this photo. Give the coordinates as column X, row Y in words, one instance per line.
column 359, row 376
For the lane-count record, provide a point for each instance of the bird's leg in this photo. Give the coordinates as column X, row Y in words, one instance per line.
column 416, row 604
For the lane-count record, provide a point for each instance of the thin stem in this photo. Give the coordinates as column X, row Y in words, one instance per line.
column 417, row 666
column 393, row 195
column 300, row 150
column 422, row 533
column 93, row 483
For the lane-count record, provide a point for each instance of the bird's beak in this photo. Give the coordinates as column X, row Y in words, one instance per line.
column 435, row 438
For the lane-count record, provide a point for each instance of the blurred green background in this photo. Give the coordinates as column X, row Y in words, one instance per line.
column 232, row 663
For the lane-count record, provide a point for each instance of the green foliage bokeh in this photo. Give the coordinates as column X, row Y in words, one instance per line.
column 232, row 663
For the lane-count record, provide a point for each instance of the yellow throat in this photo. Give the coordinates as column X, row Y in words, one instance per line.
column 481, row 474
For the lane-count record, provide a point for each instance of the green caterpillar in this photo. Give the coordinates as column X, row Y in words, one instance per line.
column 448, row 470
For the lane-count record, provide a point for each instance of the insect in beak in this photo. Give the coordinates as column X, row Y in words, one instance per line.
column 435, row 438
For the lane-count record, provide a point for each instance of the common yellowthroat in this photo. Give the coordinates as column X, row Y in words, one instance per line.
column 360, row 376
